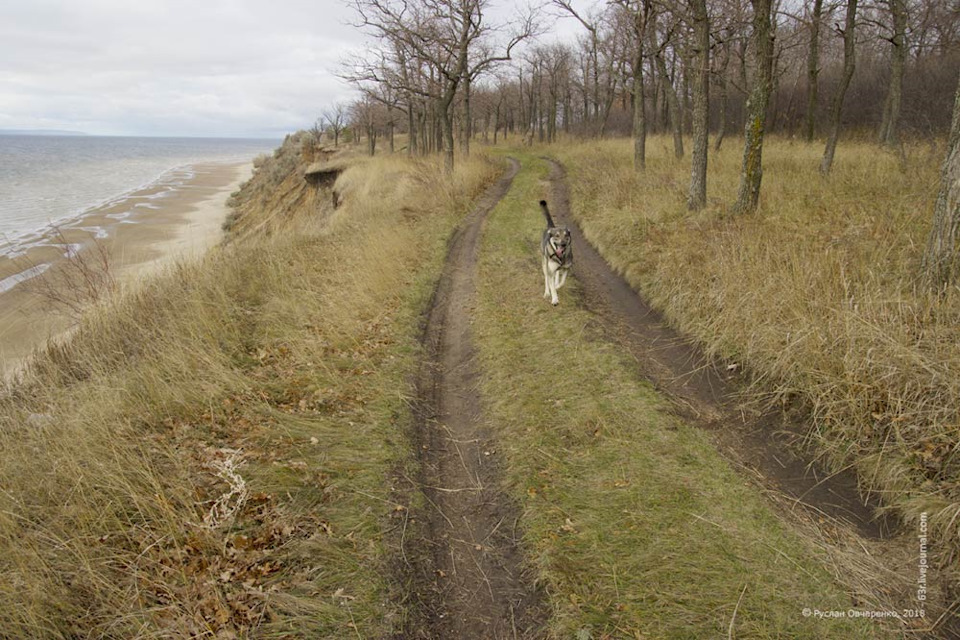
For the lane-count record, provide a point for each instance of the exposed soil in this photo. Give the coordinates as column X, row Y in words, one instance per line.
column 462, row 561
column 706, row 393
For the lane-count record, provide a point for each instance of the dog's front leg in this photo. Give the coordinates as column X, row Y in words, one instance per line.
column 562, row 277
column 554, row 275
column 546, row 277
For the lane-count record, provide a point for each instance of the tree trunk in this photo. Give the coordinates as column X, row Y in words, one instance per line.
column 849, row 64
column 595, row 46
column 530, row 126
column 722, row 117
column 673, row 103
column 428, row 128
column 686, row 108
column 586, row 100
column 813, row 72
column 426, row 132
column 520, row 92
column 606, row 114
column 447, row 123
column 552, row 121
column 445, row 106
column 433, row 127
column 890, row 127
column 658, row 105
column 751, row 171
column 539, row 108
column 700, row 111
column 467, row 118
column 412, row 131
column 940, row 261
column 722, row 87
column 639, row 115
column 743, row 66
column 774, row 108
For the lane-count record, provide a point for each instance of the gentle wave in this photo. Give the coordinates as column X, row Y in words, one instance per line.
column 11, row 281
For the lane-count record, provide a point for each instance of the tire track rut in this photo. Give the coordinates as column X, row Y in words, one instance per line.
column 463, row 566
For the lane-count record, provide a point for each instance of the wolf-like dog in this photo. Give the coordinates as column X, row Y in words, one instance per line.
column 556, row 253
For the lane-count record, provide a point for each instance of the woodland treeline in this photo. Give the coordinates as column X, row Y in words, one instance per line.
column 449, row 73
column 907, row 58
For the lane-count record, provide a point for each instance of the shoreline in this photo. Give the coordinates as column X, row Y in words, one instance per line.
column 12, row 243
column 176, row 217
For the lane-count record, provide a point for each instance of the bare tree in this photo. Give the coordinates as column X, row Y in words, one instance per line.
column 721, row 75
column 813, row 71
column 453, row 42
column 639, row 13
column 484, row 57
column 673, row 103
column 379, row 84
column 556, row 64
column 889, row 134
column 751, row 171
column 592, row 25
column 335, row 120
column 316, row 131
column 701, row 97
column 364, row 114
column 849, row 64
column 940, row 261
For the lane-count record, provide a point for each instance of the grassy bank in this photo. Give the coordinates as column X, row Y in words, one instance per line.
column 636, row 526
column 206, row 457
column 815, row 293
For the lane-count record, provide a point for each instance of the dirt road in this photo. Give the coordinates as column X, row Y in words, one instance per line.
column 465, row 572
column 461, row 564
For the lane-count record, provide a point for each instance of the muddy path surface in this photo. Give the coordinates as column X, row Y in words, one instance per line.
column 463, row 567
column 706, row 394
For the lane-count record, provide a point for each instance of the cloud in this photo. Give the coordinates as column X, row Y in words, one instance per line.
column 172, row 67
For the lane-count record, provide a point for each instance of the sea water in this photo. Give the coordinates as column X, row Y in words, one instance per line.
column 48, row 180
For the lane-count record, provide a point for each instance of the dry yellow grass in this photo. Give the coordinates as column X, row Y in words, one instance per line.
column 206, row 456
column 816, row 293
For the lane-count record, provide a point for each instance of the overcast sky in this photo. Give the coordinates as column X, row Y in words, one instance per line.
column 235, row 68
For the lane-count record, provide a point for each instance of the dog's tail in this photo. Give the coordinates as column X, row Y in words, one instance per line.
column 546, row 213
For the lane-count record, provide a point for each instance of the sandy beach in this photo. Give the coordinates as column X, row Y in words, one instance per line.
column 178, row 217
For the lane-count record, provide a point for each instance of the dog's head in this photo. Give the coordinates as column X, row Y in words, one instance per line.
column 559, row 238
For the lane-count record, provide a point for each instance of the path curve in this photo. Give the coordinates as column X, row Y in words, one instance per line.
column 466, row 574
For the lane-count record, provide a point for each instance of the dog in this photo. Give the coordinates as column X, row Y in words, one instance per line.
column 556, row 253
